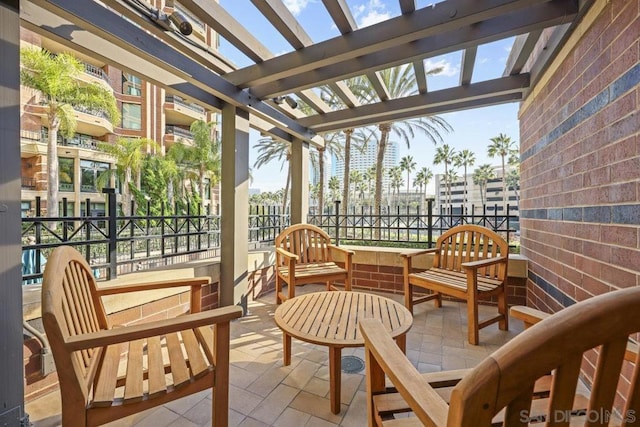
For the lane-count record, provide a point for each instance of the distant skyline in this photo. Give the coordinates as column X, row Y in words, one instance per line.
column 472, row 129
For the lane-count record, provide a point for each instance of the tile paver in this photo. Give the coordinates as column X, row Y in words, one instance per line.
column 263, row 392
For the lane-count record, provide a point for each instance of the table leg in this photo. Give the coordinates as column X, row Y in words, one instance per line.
column 335, row 368
column 286, row 345
column 401, row 341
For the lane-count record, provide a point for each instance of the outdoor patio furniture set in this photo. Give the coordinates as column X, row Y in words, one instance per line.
column 470, row 263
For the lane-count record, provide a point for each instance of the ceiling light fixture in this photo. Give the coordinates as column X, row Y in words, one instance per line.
column 288, row 99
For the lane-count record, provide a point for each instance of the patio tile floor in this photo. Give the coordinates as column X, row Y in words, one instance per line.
column 263, row 392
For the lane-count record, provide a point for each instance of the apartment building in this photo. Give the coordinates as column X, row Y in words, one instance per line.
column 147, row 111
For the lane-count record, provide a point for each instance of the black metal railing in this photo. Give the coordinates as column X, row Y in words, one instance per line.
column 115, row 244
column 411, row 225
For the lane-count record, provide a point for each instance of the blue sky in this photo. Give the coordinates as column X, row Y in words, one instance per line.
column 472, row 129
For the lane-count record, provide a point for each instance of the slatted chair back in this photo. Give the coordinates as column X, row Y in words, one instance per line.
column 308, row 242
column 466, row 243
column 592, row 334
column 69, row 308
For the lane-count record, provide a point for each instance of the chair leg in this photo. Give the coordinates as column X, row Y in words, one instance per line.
column 472, row 321
column 408, row 296
column 278, row 289
column 503, row 309
column 437, row 301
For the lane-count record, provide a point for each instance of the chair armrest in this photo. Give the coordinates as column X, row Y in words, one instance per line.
column 530, row 316
column 418, row 253
column 288, row 255
column 145, row 330
column 164, row 284
column 343, row 250
column 484, row 262
column 423, row 400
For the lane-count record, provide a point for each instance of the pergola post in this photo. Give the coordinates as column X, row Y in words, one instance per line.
column 234, row 232
column 12, row 372
column 299, row 181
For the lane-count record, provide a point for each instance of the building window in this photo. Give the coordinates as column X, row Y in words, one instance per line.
column 25, row 209
column 91, row 171
column 131, row 116
column 70, row 206
column 131, row 85
column 65, row 175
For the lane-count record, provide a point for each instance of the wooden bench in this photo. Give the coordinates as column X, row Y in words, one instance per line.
column 513, row 386
column 470, row 263
column 303, row 256
column 109, row 373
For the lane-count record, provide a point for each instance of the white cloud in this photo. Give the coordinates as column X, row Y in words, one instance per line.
column 371, row 13
column 296, row 6
column 448, row 69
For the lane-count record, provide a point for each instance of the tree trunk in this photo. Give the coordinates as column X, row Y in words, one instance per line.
column 52, row 167
column 321, row 178
column 382, row 146
column 504, row 189
column 202, row 176
column 347, row 171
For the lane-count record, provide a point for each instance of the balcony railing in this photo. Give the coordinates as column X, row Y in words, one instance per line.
column 97, row 113
column 80, row 141
column 178, row 100
column 115, row 244
column 28, row 183
column 178, row 132
column 97, row 72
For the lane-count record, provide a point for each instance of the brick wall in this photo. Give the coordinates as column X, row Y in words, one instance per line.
column 580, row 170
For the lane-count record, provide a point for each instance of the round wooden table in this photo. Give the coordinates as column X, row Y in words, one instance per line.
column 331, row 319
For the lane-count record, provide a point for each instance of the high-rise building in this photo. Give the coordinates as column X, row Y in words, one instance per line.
column 147, row 110
column 362, row 160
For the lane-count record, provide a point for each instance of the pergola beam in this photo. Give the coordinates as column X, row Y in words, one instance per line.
column 176, row 67
column 416, row 105
column 468, row 64
column 284, row 21
column 341, row 15
column 539, row 16
column 520, row 52
column 430, row 21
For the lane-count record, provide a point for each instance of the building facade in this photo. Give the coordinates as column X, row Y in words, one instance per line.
column 477, row 196
column 147, row 111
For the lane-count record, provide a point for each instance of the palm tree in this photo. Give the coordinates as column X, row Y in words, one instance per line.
column 395, row 182
column 407, row 164
column 401, row 82
column 129, row 154
column 422, row 179
column 445, row 154
column 465, row 158
column 370, row 178
column 513, row 181
column 481, row 177
column 270, row 149
column 205, row 155
column 56, row 78
column 502, row 146
column 334, row 187
column 356, row 179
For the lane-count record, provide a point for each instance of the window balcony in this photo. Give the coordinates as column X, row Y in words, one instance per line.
column 90, row 122
column 175, row 134
column 181, row 112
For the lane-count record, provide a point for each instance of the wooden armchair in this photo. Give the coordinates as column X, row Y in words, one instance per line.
column 470, row 263
column 504, row 389
column 109, row 373
column 303, row 256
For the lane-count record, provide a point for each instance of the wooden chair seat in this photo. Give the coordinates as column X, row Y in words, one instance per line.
column 534, row 379
column 304, row 255
column 318, row 272
column 470, row 262
column 106, row 372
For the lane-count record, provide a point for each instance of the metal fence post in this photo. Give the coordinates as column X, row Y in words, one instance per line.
column 337, row 203
column 430, row 222
column 112, row 253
